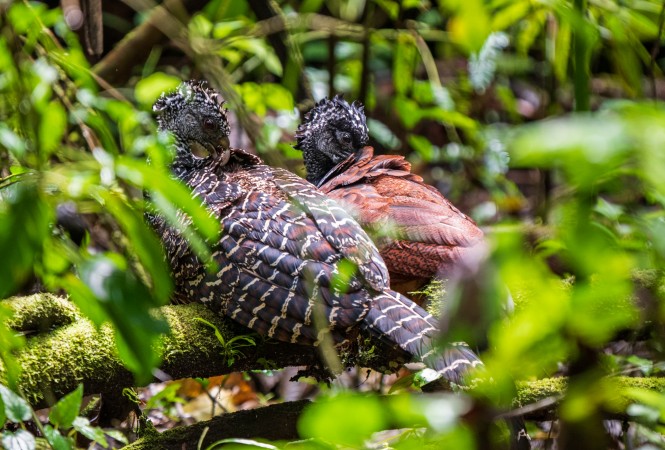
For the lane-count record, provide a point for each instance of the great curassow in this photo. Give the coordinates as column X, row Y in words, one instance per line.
column 283, row 244
column 420, row 234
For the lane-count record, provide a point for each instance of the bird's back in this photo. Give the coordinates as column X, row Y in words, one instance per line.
column 279, row 254
column 419, row 232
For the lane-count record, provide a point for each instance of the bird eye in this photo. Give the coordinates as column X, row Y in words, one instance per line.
column 209, row 124
column 345, row 138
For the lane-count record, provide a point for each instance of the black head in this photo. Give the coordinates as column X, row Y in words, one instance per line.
column 198, row 122
column 329, row 133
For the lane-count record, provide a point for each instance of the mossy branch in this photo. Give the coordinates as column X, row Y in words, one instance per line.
column 64, row 349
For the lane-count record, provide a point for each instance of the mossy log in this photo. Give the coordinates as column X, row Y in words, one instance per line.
column 64, row 349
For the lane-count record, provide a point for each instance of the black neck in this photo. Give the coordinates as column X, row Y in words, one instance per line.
column 317, row 165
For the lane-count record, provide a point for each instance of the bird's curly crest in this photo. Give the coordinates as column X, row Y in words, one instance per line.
column 191, row 92
column 335, row 111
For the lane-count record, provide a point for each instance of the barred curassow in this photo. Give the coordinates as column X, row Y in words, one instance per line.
column 282, row 246
column 419, row 233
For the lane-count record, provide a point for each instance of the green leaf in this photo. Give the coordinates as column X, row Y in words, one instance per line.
column 470, row 24
column 562, row 51
column 218, row 334
column 382, row 133
column 586, row 147
column 145, row 243
column 52, row 128
column 117, row 435
column 401, row 384
column 149, row 89
column 9, row 343
column 357, row 417
column 67, row 408
column 512, row 14
column 3, row 416
column 57, row 440
column 425, row 376
column 247, row 442
column 126, row 302
column 19, row 440
column 12, row 142
column 24, row 225
column 82, row 425
column 224, row 29
column 404, row 61
column 531, row 29
column 16, row 408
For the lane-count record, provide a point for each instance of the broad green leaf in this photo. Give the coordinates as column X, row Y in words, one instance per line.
column 530, row 30
column 560, row 55
column 157, row 181
column 242, row 442
column 200, row 26
column 149, row 89
column 125, row 301
column 224, row 29
column 9, row 343
column 84, row 298
column 57, row 440
column 382, row 133
column 66, row 409
column 16, row 408
column 52, row 128
column 404, row 62
column 145, row 243
column 642, row 26
column 625, row 60
column 277, row 97
column 425, row 149
column 408, row 111
column 19, row 440
column 470, row 24
column 117, row 435
column 82, row 425
column 586, row 147
column 3, row 416
column 510, row 15
column 357, row 417
column 11, row 141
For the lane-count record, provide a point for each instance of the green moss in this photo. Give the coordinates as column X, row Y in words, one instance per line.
column 53, row 364
column 529, row 392
column 532, row 391
column 434, row 294
column 185, row 328
column 40, row 312
column 651, row 383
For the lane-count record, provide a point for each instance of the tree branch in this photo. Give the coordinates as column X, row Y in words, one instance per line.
column 64, row 349
column 115, row 68
column 544, row 396
column 55, row 362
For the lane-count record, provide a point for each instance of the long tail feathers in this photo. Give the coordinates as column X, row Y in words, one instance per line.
column 400, row 323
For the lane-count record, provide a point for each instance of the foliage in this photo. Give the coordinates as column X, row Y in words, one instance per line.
column 230, row 348
column 67, row 145
column 61, row 430
column 472, row 92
